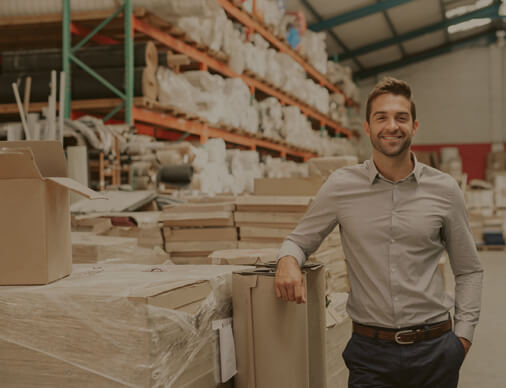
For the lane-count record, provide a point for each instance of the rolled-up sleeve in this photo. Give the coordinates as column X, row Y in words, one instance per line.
column 465, row 264
column 314, row 227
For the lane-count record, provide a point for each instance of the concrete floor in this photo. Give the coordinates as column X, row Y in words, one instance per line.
column 485, row 364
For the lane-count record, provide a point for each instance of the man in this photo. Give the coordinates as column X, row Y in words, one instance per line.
column 396, row 216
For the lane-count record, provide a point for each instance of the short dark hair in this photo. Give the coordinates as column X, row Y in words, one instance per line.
column 390, row 85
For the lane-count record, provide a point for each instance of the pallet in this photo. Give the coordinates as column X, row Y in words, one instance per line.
column 158, row 107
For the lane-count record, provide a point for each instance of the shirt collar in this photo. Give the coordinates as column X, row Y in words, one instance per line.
column 373, row 172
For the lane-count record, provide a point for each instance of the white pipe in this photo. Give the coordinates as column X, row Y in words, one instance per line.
column 21, row 111
column 61, row 107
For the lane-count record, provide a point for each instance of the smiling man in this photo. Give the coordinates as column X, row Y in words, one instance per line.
column 396, row 216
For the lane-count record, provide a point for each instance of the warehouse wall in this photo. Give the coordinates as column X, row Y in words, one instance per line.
column 460, row 101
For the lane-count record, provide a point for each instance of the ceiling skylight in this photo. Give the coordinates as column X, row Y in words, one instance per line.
column 468, row 8
column 469, row 24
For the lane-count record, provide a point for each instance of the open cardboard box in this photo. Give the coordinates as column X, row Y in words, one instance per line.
column 35, row 242
column 279, row 344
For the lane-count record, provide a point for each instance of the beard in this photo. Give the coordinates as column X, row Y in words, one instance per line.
column 391, row 151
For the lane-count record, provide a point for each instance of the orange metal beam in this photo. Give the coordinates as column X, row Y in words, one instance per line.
column 203, row 58
column 202, row 130
column 249, row 22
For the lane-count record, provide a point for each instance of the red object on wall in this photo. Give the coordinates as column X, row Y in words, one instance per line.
column 474, row 156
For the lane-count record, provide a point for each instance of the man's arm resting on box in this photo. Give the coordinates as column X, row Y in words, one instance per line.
column 313, row 228
column 289, row 283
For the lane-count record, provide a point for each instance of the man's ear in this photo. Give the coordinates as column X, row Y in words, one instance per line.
column 366, row 128
column 415, row 127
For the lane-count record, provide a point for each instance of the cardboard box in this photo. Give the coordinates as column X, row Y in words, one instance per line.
column 116, row 326
column 279, row 344
column 288, row 186
column 35, row 242
column 244, row 256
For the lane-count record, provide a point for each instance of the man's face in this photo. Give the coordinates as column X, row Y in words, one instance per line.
column 391, row 126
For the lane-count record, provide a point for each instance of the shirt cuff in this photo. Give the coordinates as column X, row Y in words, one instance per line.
column 465, row 330
column 291, row 249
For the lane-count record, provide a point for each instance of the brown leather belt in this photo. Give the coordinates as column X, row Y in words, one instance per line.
column 404, row 336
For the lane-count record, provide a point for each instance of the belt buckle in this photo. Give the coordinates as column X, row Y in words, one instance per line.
column 399, row 341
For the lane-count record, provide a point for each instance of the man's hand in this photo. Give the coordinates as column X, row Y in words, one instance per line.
column 465, row 343
column 289, row 283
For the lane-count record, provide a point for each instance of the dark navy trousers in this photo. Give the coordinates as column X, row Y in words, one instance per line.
column 432, row 363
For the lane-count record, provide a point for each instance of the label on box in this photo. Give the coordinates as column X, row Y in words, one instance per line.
column 227, row 349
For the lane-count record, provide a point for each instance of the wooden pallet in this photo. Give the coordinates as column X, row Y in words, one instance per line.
column 158, row 107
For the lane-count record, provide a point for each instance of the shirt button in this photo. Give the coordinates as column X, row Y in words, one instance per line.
column 393, row 270
column 392, row 240
column 396, row 298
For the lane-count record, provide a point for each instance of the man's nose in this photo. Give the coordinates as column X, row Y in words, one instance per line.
column 391, row 123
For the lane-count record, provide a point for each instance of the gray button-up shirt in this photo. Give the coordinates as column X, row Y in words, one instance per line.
column 393, row 235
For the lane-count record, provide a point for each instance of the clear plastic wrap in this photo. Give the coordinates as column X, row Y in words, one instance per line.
column 314, row 48
column 174, row 90
column 271, row 118
column 116, row 326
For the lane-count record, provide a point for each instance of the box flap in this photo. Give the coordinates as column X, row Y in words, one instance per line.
column 77, row 187
column 49, row 156
column 18, row 163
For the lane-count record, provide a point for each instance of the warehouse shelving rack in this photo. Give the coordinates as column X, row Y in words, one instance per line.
column 254, row 24
column 161, row 123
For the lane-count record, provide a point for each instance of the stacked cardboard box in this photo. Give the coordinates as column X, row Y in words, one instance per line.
column 193, row 231
column 496, row 165
column 480, row 198
column 144, row 226
column 264, row 221
column 90, row 248
column 338, row 333
column 500, row 191
column 116, row 326
column 90, row 224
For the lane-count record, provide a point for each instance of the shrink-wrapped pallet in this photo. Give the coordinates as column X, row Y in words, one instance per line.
column 116, row 326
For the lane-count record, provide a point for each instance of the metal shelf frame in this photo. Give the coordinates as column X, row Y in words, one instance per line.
column 68, row 56
column 251, row 23
column 134, row 114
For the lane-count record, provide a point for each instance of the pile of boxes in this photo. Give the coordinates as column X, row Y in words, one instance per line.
column 103, row 305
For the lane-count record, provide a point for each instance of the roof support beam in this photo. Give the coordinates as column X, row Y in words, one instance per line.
column 488, row 37
column 356, row 14
column 393, row 30
column 334, row 36
column 443, row 15
column 491, row 11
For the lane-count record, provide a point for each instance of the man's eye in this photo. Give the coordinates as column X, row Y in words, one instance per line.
column 403, row 119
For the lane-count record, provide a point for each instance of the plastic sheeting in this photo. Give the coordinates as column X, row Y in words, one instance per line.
column 116, row 326
column 314, row 48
